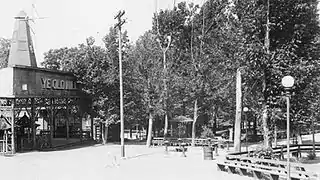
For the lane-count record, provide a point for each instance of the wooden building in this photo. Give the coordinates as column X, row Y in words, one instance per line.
column 39, row 104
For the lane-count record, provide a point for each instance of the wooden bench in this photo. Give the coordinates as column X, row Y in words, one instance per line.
column 157, row 141
column 247, row 169
column 297, row 169
column 267, row 162
column 259, row 171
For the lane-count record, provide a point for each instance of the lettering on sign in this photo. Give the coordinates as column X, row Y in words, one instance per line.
column 58, row 84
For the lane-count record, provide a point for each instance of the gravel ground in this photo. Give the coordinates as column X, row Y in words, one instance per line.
column 103, row 162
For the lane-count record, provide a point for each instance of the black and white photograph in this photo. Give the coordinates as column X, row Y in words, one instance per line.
column 159, row 89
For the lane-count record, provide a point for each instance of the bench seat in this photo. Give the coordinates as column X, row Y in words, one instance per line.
column 257, row 170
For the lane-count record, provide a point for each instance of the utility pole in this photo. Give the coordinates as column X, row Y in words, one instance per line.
column 119, row 25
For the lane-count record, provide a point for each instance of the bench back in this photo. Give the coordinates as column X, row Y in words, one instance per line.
column 271, row 163
column 261, row 168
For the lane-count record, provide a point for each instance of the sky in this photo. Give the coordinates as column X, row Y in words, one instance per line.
column 67, row 23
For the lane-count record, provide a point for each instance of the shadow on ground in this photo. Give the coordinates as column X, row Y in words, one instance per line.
column 71, row 146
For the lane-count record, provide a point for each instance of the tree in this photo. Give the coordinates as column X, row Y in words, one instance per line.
column 147, row 73
column 200, row 69
column 96, row 71
column 293, row 29
column 4, row 52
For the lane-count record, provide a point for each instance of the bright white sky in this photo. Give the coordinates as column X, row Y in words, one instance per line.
column 69, row 22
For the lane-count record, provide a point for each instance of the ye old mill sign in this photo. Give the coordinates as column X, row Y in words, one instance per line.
column 58, row 84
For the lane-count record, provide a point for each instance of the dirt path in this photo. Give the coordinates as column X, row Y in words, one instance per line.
column 102, row 162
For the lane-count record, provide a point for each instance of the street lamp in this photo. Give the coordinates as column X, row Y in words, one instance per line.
column 288, row 82
column 245, row 110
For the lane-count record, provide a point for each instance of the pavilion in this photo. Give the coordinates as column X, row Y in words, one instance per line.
column 36, row 102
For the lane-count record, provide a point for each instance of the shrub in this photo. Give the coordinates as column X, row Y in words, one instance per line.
column 311, row 155
column 207, row 132
column 263, row 153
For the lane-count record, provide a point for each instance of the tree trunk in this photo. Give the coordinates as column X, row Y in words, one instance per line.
column 166, row 123
column 313, row 138
column 130, row 132
column 265, row 118
column 215, row 119
column 275, row 136
column 195, row 116
column 237, row 128
column 103, row 134
column 106, row 131
column 149, row 137
column 150, row 123
column 266, row 130
column 299, row 137
column 255, row 132
column 157, row 120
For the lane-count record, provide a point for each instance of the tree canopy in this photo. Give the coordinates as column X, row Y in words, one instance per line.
column 206, row 45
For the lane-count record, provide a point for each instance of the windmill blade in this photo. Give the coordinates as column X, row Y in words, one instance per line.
column 33, row 19
column 41, row 18
column 35, row 9
column 33, row 32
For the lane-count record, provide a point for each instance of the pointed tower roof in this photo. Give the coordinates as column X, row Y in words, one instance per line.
column 21, row 15
column 21, row 50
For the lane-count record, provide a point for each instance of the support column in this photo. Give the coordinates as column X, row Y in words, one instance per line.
column 33, row 124
column 13, row 149
column 67, row 117
column 51, row 120
column 81, row 116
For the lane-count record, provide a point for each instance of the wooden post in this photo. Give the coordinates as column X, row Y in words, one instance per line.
column 33, row 124
column 51, row 120
column 81, row 116
column 237, row 129
column 6, row 141
column 3, row 143
column 67, row 118
column 13, row 149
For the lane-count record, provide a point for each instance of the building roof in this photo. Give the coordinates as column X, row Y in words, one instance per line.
column 21, row 49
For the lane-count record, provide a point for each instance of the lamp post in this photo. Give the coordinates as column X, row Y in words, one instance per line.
column 288, row 82
column 245, row 110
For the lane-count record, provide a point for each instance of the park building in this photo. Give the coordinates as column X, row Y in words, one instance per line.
column 39, row 108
